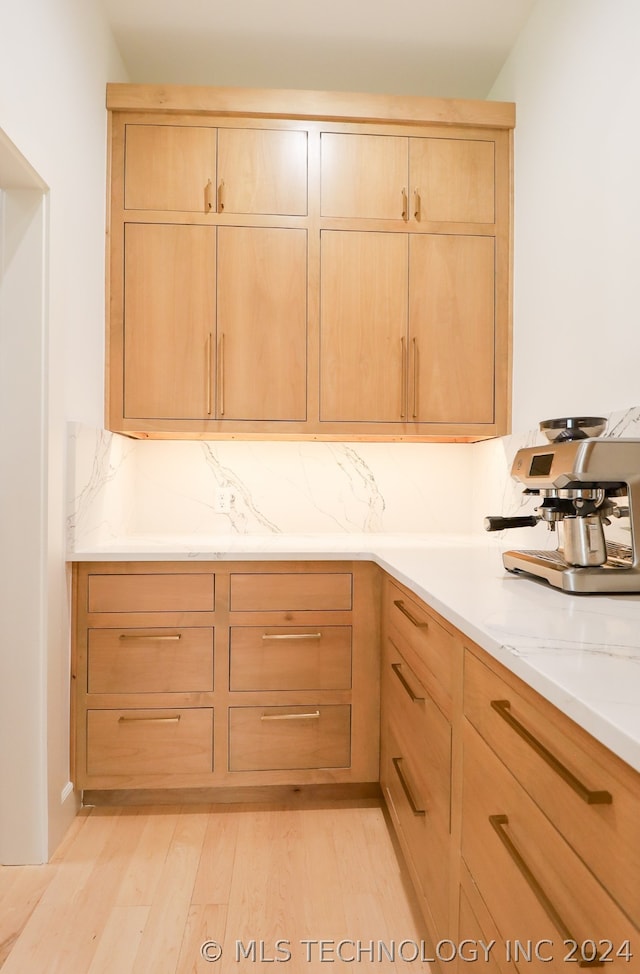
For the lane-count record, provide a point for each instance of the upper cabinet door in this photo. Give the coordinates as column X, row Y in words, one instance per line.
column 169, row 167
column 364, row 176
column 363, row 326
column 262, row 171
column 452, row 180
column 262, row 323
column 451, row 328
column 169, row 321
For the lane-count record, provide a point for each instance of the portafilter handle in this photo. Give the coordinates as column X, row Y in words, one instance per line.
column 500, row 523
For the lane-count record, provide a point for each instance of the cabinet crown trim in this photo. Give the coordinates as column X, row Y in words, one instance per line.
column 313, row 105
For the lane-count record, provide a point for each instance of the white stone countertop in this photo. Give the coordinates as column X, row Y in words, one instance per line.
column 580, row 652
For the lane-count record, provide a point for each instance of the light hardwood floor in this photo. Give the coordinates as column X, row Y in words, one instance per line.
column 141, row 889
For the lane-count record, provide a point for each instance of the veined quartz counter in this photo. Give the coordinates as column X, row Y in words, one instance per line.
column 580, row 652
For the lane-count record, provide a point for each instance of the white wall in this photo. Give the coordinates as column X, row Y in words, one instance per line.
column 55, row 59
column 23, row 489
column 574, row 74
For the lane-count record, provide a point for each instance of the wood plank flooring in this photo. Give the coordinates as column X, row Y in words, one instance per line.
column 140, row 890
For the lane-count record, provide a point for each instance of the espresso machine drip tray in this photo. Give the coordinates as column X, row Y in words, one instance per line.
column 618, row 556
column 551, row 566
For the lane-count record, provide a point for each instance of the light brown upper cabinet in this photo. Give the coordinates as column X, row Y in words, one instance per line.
column 291, row 264
column 407, row 328
column 198, row 169
column 262, row 323
column 168, row 167
column 221, row 333
column 262, row 171
column 363, row 326
column 169, row 321
column 385, row 177
column 451, row 343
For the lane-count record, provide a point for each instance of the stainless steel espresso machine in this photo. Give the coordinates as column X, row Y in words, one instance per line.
column 584, row 481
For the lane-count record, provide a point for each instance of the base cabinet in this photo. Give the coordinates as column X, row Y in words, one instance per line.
column 550, row 843
column 225, row 676
column 519, row 830
column 419, row 656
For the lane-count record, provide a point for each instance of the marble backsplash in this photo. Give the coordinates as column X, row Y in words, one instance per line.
column 119, row 487
column 122, row 488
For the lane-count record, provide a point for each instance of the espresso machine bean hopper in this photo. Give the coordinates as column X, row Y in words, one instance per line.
column 585, row 481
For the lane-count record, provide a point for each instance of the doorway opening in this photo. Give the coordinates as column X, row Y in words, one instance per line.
column 23, row 509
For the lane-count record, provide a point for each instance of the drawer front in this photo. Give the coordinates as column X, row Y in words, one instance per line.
column 149, row 741
column 426, row 645
column 289, row 738
column 476, row 945
column 410, row 803
column 536, row 888
column 287, row 658
column 151, row 593
column 305, row 591
column 149, row 660
column 422, row 732
column 566, row 777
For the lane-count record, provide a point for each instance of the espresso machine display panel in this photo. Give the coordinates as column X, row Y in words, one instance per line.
column 541, row 465
column 584, row 481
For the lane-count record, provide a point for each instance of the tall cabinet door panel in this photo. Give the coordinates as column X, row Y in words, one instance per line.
column 169, row 320
column 453, row 179
column 451, row 330
column 262, row 323
column 363, row 176
column 168, row 167
column 363, row 326
column 262, row 171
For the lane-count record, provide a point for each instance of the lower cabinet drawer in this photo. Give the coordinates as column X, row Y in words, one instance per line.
column 592, row 798
column 149, row 741
column 149, row 660
column 538, row 891
column 475, row 944
column 304, row 591
column 422, row 733
column 429, row 648
column 289, row 738
column 409, row 799
column 153, row 592
column 281, row 658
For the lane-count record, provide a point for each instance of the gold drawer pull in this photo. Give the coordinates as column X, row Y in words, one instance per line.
column 403, row 376
column 221, row 373
column 312, row 716
column 406, row 789
column 292, row 635
column 497, row 823
column 174, row 637
column 503, row 708
column 417, row 205
column 405, row 205
column 399, row 604
column 414, row 343
column 208, row 370
column 208, row 197
column 397, row 669
column 150, row 720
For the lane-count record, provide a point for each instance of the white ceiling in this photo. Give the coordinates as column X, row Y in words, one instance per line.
column 445, row 48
